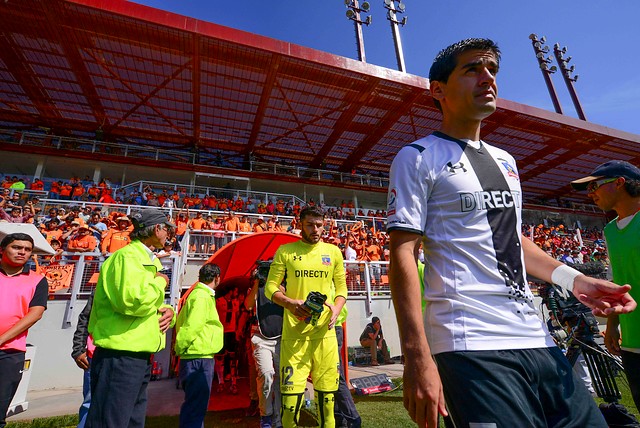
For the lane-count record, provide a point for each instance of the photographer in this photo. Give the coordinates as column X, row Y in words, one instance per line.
column 266, row 331
column 373, row 339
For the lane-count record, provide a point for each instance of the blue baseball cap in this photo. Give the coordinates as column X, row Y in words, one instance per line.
column 611, row 169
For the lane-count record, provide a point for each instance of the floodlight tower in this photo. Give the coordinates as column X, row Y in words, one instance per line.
column 393, row 10
column 353, row 13
column 568, row 79
column 541, row 55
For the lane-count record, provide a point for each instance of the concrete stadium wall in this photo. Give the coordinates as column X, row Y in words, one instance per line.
column 53, row 366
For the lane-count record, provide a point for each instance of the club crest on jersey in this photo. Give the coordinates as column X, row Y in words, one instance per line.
column 391, row 202
column 511, row 171
column 453, row 168
column 326, row 260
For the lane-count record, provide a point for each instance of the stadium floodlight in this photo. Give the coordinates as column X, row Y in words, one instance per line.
column 395, row 7
column 567, row 72
column 540, row 50
column 353, row 13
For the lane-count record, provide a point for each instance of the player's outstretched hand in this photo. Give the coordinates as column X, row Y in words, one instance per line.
column 603, row 297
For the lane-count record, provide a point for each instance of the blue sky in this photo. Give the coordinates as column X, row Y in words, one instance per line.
column 602, row 37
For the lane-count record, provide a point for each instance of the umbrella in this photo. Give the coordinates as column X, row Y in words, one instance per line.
column 40, row 245
column 237, row 259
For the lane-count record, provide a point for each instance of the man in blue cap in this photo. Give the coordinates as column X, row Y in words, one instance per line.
column 615, row 186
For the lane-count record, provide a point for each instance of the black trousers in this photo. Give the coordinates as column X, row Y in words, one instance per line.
column 345, row 409
column 11, row 366
column 119, row 381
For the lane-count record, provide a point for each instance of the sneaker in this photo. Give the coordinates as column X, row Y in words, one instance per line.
column 233, row 389
column 374, row 363
column 265, row 421
column 389, row 362
column 220, row 387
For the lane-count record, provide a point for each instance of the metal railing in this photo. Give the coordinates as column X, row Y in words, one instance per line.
column 365, row 280
column 24, row 138
column 319, row 174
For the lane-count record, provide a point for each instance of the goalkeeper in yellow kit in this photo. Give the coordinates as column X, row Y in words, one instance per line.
column 308, row 339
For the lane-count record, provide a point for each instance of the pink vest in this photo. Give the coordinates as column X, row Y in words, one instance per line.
column 16, row 293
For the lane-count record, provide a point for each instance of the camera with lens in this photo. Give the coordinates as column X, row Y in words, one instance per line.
column 570, row 315
column 261, row 273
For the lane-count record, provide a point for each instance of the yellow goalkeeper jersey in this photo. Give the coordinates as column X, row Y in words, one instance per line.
column 317, row 267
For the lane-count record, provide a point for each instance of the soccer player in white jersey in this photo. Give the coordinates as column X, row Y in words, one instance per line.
column 485, row 352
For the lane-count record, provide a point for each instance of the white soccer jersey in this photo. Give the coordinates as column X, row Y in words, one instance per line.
column 466, row 202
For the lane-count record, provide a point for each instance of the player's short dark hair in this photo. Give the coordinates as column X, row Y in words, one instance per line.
column 15, row 237
column 311, row 211
column 447, row 59
column 208, row 273
column 374, row 320
column 632, row 187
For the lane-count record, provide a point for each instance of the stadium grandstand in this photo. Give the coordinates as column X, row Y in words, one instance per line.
column 108, row 107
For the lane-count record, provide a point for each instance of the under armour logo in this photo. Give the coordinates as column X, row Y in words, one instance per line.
column 459, row 165
column 297, row 258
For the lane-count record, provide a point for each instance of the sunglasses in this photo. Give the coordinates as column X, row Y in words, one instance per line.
column 595, row 185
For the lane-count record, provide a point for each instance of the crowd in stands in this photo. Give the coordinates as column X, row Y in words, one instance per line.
column 94, row 229
column 570, row 246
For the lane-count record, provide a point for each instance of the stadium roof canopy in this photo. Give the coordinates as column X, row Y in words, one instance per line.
column 131, row 73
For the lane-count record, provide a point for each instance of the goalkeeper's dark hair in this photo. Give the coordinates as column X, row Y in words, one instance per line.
column 311, row 211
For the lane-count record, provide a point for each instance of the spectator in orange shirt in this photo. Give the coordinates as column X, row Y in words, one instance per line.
column 37, row 185
column 260, row 226
column 262, row 208
column 238, row 205
column 52, row 232
column 373, row 254
column 54, row 192
column 231, row 222
column 82, row 242
column 65, row 192
column 181, row 222
column 77, row 192
column 116, row 238
column 245, row 224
